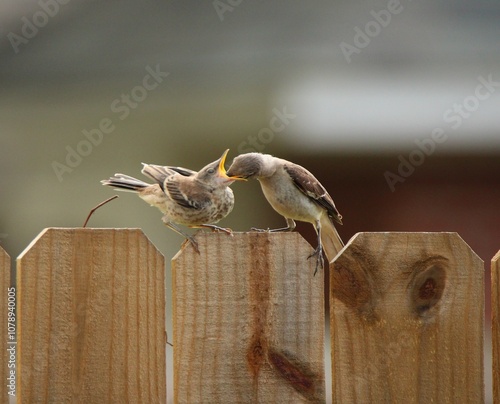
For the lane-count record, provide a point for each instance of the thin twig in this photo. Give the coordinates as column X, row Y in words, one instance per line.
column 97, row 207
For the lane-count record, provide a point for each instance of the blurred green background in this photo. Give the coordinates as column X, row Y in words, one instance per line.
column 347, row 89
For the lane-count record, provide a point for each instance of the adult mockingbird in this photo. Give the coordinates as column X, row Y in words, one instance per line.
column 295, row 194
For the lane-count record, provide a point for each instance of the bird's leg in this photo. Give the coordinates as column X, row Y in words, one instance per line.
column 290, row 227
column 215, row 228
column 318, row 252
column 320, row 262
column 173, row 227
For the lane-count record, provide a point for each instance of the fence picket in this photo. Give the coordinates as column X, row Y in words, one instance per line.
column 406, row 319
column 91, row 309
column 248, row 320
column 407, row 316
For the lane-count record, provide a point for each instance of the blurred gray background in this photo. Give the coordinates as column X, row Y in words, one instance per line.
column 348, row 89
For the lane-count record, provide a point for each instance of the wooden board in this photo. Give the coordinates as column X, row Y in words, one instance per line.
column 6, row 343
column 92, row 318
column 248, row 320
column 407, row 317
column 495, row 325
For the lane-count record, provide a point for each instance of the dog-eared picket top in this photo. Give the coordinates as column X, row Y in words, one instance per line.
column 406, row 319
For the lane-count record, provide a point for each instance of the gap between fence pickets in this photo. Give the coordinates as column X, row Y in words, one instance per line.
column 495, row 325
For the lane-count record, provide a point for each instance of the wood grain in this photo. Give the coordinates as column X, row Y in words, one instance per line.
column 248, row 320
column 495, row 325
column 407, row 314
column 4, row 355
column 92, row 321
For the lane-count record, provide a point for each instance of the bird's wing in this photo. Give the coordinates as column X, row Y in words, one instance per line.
column 186, row 172
column 185, row 193
column 310, row 186
column 157, row 173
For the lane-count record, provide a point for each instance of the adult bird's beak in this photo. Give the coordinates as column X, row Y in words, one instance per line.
column 222, row 169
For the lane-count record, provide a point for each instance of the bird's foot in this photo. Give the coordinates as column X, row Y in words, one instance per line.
column 217, row 228
column 260, row 230
column 268, row 230
column 320, row 262
column 173, row 227
column 193, row 242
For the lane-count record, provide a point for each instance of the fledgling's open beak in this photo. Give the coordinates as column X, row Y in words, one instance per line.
column 222, row 170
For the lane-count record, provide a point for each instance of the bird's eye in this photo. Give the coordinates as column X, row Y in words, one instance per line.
column 211, row 171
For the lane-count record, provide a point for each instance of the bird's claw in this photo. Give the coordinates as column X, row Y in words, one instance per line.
column 223, row 229
column 218, row 228
column 193, row 242
column 320, row 262
column 268, row 230
column 260, row 230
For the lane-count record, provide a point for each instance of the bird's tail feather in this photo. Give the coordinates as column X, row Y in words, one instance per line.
column 330, row 239
column 124, row 182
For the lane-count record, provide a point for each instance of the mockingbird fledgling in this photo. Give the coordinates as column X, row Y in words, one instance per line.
column 187, row 197
column 296, row 194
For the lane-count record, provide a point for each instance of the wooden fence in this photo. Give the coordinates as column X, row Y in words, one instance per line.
column 406, row 314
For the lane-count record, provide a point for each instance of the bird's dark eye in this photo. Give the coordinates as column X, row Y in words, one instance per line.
column 211, row 171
